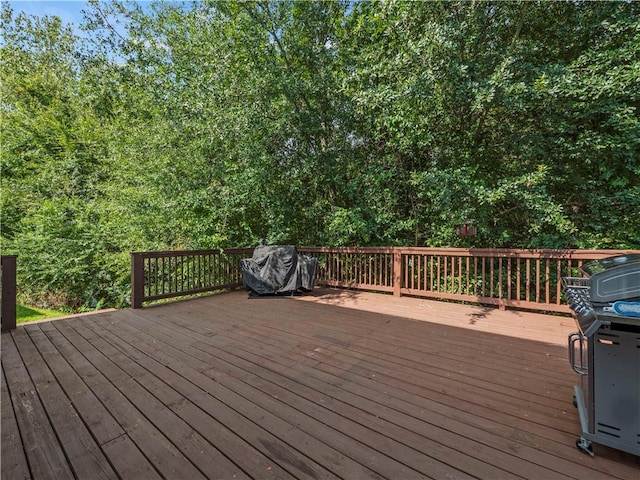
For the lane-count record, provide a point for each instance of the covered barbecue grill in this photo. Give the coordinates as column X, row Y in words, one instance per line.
column 278, row 269
column 605, row 352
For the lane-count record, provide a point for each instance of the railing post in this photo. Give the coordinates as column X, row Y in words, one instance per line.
column 137, row 280
column 8, row 281
column 397, row 271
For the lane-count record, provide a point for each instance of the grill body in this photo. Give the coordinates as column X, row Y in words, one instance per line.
column 605, row 352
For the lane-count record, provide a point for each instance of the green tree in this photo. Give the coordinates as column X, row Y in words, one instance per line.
column 51, row 164
column 464, row 104
column 213, row 124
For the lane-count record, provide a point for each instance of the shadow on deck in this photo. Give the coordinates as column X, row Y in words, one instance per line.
column 332, row 385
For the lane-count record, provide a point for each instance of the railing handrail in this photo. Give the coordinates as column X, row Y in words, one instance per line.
column 575, row 254
column 163, row 253
column 348, row 249
column 8, row 308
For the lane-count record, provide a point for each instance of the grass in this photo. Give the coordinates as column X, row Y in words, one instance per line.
column 30, row 314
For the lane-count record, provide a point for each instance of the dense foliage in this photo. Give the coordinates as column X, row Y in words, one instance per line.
column 214, row 124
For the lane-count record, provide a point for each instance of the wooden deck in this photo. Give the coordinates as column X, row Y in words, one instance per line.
column 334, row 385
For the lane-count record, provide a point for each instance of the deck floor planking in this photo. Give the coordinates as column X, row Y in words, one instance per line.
column 337, row 384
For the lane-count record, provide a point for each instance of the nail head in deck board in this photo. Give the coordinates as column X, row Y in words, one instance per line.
column 13, row 462
column 81, row 449
column 43, row 451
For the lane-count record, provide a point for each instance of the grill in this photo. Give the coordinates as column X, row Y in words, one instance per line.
column 605, row 352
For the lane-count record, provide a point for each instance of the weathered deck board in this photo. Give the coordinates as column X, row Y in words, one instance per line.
column 134, row 360
column 385, row 455
column 80, row 448
column 278, row 354
column 116, row 444
column 201, row 459
column 13, row 461
column 518, row 324
column 280, row 429
column 44, row 453
column 340, row 385
column 159, row 451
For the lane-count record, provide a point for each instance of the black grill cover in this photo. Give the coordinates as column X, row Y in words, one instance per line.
column 278, row 269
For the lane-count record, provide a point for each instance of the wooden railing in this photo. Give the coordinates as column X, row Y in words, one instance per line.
column 160, row 275
column 530, row 279
column 8, row 292
column 366, row 268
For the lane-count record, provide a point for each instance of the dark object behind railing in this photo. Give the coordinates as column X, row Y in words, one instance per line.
column 160, row 275
column 8, row 302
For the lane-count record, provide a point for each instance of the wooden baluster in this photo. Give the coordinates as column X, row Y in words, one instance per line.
column 509, row 278
column 537, row 280
column 547, row 296
column 397, row 271
column 559, row 282
column 518, row 288
column 466, row 270
column 528, row 279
